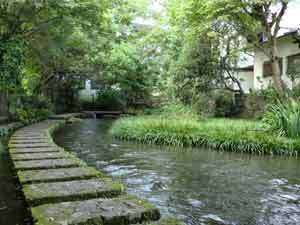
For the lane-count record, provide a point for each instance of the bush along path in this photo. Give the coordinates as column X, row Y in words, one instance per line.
column 60, row 189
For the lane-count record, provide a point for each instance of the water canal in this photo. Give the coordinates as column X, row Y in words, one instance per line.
column 195, row 185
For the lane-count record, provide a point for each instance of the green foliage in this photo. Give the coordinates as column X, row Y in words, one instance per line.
column 224, row 104
column 109, row 99
column 28, row 116
column 106, row 98
column 256, row 102
column 126, row 70
column 196, row 69
column 44, row 45
column 11, row 62
column 33, row 109
column 221, row 134
column 179, row 111
column 284, row 119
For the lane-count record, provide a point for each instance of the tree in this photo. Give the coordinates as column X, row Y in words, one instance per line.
column 44, row 44
column 257, row 21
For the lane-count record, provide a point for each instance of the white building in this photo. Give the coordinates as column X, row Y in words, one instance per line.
column 89, row 92
column 258, row 75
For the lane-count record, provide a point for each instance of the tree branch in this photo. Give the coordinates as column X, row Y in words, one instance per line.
column 279, row 17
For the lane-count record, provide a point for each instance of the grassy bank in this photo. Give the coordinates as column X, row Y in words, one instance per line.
column 220, row 134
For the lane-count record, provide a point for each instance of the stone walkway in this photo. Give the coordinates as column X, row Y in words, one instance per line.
column 60, row 189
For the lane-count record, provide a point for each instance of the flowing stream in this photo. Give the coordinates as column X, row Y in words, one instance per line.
column 198, row 186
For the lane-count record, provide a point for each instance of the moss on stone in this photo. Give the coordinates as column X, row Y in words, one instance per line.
column 45, row 193
column 117, row 211
column 167, row 221
column 58, row 196
column 58, row 175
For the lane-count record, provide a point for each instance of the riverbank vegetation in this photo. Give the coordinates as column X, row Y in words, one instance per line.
column 235, row 135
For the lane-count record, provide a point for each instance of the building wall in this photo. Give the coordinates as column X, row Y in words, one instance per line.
column 286, row 47
column 246, row 78
column 88, row 93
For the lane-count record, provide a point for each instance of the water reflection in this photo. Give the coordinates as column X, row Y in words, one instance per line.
column 197, row 185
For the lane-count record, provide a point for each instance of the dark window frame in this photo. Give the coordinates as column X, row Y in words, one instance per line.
column 267, row 68
column 293, row 57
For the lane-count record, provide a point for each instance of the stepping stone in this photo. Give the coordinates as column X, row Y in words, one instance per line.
column 44, row 193
column 28, row 141
column 168, row 221
column 45, row 164
column 119, row 211
column 37, row 156
column 15, row 136
column 25, row 133
column 32, row 145
column 52, row 175
column 33, row 150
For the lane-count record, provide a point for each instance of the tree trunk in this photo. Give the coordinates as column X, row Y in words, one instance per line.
column 276, row 70
column 276, row 75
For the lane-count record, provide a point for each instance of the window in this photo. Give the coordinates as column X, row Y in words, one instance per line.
column 267, row 70
column 294, row 60
column 293, row 69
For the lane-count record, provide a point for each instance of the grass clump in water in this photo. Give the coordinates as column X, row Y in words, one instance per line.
column 222, row 134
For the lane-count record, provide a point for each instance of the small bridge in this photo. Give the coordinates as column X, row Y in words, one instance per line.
column 97, row 114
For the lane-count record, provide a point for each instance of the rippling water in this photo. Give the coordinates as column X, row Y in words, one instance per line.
column 199, row 186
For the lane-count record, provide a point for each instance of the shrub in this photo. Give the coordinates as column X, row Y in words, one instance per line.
column 106, row 99
column 284, row 119
column 33, row 109
column 204, row 104
column 27, row 116
column 224, row 103
column 256, row 103
column 109, row 99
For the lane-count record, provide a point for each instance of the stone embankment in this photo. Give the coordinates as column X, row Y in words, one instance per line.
column 60, row 189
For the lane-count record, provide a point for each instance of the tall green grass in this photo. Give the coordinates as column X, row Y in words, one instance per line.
column 284, row 119
column 221, row 134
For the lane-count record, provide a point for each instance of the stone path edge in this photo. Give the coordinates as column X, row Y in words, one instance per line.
column 49, row 131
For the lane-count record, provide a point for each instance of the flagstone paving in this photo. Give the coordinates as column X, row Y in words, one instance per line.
column 38, row 156
column 31, row 145
column 34, row 150
column 29, row 141
column 45, row 164
column 63, row 190
column 44, row 193
column 119, row 211
column 55, row 175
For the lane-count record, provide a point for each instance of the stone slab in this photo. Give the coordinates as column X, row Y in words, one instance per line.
column 56, row 175
column 16, row 136
column 119, row 211
column 27, row 133
column 32, row 145
column 29, row 141
column 38, row 156
column 44, row 139
column 33, row 150
column 44, row 193
column 45, row 164
column 168, row 221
